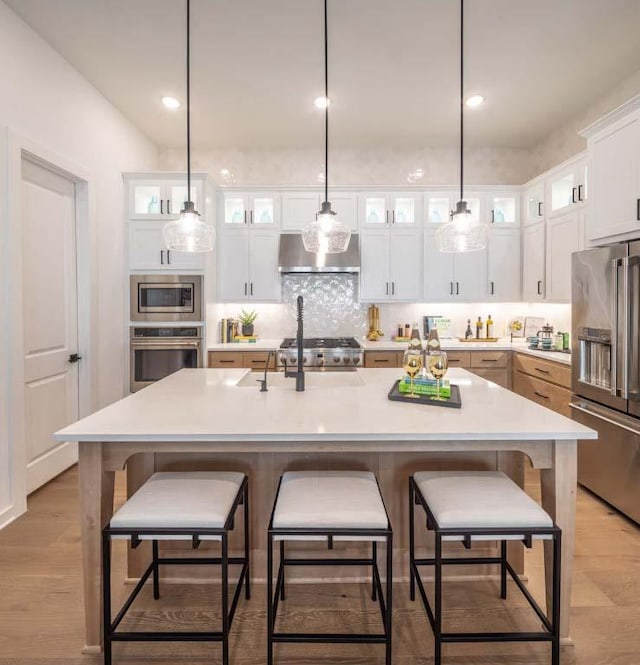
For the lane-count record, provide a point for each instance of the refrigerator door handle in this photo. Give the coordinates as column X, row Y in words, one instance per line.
column 628, row 392
column 615, row 264
column 611, row 419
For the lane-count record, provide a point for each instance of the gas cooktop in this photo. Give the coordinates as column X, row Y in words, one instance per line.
column 322, row 343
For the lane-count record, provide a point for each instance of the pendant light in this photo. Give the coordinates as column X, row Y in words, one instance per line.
column 188, row 233
column 463, row 233
column 326, row 235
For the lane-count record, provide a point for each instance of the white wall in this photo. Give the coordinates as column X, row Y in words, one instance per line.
column 356, row 167
column 46, row 104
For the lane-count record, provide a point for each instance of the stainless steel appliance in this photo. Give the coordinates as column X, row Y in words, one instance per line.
column 293, row 257
column 322, row 354
column 159, row 351
column 160, row 298
column 606, row 371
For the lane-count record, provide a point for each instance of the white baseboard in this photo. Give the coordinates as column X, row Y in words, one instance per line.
column 52, row 463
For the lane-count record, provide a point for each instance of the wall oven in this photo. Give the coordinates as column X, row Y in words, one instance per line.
column 163, row 298
column 157, row 352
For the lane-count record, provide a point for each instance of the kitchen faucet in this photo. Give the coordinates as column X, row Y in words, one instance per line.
column 299, row 373
column 263, row 382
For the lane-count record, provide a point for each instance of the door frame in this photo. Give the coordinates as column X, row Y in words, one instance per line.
column 13, row 149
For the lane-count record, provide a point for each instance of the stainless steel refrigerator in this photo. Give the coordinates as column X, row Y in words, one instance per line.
column 605, row 371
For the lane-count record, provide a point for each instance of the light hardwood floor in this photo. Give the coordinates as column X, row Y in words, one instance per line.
column 41, row 602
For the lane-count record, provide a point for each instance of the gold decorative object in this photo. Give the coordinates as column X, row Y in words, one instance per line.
column 373, row 316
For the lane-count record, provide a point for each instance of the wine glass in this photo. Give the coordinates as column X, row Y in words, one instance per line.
column 412, row 364
column 438, row 365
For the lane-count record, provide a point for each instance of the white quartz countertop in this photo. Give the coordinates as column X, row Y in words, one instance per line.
column 503, row 344
column 208, row 405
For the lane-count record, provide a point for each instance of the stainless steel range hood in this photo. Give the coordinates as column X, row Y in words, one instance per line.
column 293, row 257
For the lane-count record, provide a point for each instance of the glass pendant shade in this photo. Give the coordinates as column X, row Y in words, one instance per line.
column 462, row 234
column 188, row 233
column 326, row 235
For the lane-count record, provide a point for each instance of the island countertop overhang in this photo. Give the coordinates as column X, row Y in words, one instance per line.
column 207, row 405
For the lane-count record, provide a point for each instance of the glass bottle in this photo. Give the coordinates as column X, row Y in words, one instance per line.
column 479, row 327
column 415, row 343
column 489, row 326
column 468, row 333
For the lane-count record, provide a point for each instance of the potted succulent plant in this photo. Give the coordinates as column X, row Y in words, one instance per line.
column 247, row 319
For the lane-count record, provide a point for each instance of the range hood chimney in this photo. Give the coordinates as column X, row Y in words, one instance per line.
column 292, row 257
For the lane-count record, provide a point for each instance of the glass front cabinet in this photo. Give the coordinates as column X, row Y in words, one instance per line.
column 380, row 209
column 261, row 210
column 163, row 198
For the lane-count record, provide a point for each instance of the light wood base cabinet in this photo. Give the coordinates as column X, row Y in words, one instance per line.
column 543, row 381
column 255, row 360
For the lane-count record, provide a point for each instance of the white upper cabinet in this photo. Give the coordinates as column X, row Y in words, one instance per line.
column 566, row 188
column 345, row 204
column 503, row 208
column 396, row 210
column 148, row 251
column 533, row 262
column 257, row 209
column 160, row 198
column 471, row 276
column 614, row 157
column 299, row 209
column 391, row 265
column 564, row 236
column 504, row 265
column 248, row 265
column 438, row 207
column 533, row 203
column 439, row 270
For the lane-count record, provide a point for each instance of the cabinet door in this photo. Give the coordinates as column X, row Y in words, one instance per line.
column 147, row 199
column 233, row 266
column 533, row 249
column 438, row 270
column 471, row 276
column 534, row 203
column 373, row 210
column 346, row 205
column 374, row 266
column 236, row 210
column 185, row 260
column 264, row 210
column 264, row 278
column 565, row 188
column 176, row 193
column 504, row 264
column 405, row 265
column 406, row 209
column 563, row 238
column 147, row 250
column 615, row 181
column 503, row 208
column 299, row 209
column 438, row 207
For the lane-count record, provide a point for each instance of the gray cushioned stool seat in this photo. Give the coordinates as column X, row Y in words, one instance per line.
column 479, row 499
column 187, row 500
column 329, row 499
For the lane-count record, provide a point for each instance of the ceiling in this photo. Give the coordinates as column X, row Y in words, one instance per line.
column 257, row 66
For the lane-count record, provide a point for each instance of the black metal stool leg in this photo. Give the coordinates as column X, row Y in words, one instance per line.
column 156, row 570
column 438, row 601
column 106, row 597
column 555, row 616
column 225, row 601
column 270, row 600
column 374, row 558
column 282, row 569
column 412, row 546
column 389, row 600
column 503, row 569
column 247, row 551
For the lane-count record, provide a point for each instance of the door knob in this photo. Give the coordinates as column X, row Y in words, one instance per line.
column 74, row 357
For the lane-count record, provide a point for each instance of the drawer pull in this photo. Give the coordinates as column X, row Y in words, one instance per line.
column 257, row 362
column 489, row 360
column 542, row 371
column 380, row 360
column 227, row 361
column 535, row 392
column 454, row 360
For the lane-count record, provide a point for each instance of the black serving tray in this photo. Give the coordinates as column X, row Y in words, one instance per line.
column 454, row 402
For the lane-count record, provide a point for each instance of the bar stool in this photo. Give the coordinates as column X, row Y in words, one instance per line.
column 470, row 506
column 329, row 506
column 192, row 505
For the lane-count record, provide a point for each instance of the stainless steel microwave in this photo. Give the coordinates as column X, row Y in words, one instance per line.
column 166, row 298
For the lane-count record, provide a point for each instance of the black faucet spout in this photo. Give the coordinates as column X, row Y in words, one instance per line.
column 300, row 344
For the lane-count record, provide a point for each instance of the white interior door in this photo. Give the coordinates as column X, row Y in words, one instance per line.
column 50, row 320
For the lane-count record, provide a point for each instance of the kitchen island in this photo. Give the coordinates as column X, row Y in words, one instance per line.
column 219, row 418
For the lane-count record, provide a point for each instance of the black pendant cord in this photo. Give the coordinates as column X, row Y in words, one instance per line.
column 461, row 98
column 326, row 108
column 188, row 101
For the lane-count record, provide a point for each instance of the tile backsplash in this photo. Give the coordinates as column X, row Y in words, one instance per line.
column 331, row 309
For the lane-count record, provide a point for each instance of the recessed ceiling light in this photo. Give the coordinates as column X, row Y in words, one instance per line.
column 474, row 101
column 171, row 103
column 321, row 102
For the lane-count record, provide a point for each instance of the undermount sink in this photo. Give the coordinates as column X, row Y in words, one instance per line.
column 313, row 380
